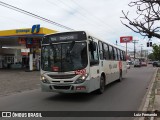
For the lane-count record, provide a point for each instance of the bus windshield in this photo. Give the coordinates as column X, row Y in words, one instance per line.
column 64, row 57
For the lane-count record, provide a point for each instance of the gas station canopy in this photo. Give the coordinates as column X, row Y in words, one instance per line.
column 21, row 47
column 35, row 31
column 17, row 37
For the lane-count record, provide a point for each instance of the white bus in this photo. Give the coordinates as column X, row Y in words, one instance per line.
column 76, row 62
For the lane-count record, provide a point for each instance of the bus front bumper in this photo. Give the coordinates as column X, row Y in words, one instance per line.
column 66, row 88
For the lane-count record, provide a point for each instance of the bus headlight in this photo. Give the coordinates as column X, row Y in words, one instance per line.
column 81, row 79
column 44, row 80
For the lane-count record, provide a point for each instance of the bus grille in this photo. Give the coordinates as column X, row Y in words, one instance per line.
column 62, row 76
column 63, row 81
column 62, row 87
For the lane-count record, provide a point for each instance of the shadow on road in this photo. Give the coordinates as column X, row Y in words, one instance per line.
column 75, row 97
column 80, row 97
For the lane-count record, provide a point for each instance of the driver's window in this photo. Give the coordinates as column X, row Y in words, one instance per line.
column 94, row 57
column 96, row 53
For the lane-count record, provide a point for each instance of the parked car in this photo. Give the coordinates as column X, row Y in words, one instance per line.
column 150, row 62
column 156, row 64
column 143, row 63
column 137, row 63
column 128, row 66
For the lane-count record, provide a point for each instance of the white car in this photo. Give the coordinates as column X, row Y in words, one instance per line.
column 128, row 66
column 137, row 63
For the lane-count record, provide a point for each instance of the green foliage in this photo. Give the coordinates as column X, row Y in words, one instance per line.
column 151, row 57
column 156, row 51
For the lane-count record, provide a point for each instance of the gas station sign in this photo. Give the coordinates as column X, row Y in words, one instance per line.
column 33, row 42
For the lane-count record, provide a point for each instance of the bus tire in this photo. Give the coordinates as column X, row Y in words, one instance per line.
column 120, row 76
column 102, row 85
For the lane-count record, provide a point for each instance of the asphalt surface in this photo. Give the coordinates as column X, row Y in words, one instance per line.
column 126, row 95
column 15, row 81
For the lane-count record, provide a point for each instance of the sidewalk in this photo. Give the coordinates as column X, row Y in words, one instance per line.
column 152, row 100
column 156, row 91
column 13, row 81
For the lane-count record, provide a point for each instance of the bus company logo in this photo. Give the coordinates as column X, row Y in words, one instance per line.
column 20, row 114
column 6, row 114
column 35, row 29
column 125, row 39
column 23, row 31
column 80, row 72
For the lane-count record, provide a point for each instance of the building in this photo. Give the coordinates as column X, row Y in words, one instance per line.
column 20, row 48
column 138, row 54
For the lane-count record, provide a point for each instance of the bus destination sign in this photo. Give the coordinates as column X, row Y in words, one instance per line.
column 63, row 37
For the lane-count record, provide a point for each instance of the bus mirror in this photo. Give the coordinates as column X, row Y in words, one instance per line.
column 92, row 46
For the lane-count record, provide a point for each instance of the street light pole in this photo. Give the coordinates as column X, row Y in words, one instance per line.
column 134, row 42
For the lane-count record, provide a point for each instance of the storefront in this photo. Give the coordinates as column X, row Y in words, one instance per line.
column 20, row 48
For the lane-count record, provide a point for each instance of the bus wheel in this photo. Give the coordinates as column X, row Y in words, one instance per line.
column 102, row 85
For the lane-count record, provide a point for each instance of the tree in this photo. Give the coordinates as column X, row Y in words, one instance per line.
column 156, row 51
column 151, row 57
column 146, row 21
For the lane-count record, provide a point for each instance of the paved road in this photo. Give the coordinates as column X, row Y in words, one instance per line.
column 118, row 96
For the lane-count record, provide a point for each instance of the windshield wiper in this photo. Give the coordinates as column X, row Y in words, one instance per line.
column 71, row 46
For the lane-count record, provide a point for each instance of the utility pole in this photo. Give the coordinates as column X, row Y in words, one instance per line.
column 126, row 50
column 134, row 42
column 116, row 42
column 141, row 50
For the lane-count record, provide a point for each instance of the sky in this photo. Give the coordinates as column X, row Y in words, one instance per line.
column 101, row 18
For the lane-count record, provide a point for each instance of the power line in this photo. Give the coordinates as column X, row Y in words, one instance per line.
column 95, row 19
column 86, row 11
column 83, row 16
column 33, row 15
column 57, row 5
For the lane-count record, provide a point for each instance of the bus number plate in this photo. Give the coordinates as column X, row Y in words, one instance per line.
column 80, row 72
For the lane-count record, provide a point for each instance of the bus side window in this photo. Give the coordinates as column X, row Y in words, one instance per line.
column 93, row 53
column 124, row 56
column 121, row 55
column 115, row 53
column 110, row 53
column 101, row 50
column 106, row 52
column 118, row 54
